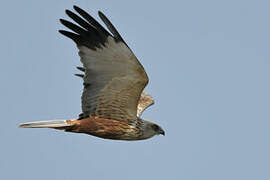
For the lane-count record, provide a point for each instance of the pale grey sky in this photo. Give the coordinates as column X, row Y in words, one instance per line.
column 208, row 64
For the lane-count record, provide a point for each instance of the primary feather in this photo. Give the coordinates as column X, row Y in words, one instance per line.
column 113, row 98
column 113, row 77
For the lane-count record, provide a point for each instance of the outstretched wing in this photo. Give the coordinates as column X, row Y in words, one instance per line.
column 145, row 101
column 114, row 79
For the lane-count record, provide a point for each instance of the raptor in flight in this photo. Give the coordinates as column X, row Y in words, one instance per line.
column 114, row 80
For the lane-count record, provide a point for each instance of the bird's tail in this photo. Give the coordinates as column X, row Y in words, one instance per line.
column 56, row 124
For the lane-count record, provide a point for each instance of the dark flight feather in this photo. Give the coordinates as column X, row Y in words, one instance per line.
column 79, row 75
column 81, row 68
column 88, row 32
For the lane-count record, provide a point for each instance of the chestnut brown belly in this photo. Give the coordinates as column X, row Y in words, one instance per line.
column 104, row 128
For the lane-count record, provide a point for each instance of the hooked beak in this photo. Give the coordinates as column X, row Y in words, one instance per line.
column 162, row 132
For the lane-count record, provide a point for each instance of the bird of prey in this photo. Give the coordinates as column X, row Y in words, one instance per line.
column 113, row 79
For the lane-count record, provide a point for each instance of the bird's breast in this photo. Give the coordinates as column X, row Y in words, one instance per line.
column 105, row 128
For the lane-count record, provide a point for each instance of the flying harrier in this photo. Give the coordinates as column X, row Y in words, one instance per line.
column 113, row 98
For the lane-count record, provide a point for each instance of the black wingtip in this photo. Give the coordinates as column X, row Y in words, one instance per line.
column 65, row 22
column 67, row 11
column 100, row 13
column 61, row 21
column 76, row 7
column 86, row 31
column 102, row 16
column 111, row 27
column 63, row 32
column 81, row 68
column 79, row 75
column 75, row 37
column 70, row 13
column 60, row 31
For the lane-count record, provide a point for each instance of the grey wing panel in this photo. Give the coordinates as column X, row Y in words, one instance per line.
column 113, row 75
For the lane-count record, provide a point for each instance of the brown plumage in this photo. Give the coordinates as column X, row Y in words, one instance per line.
column 113, row 97
column 104, row 128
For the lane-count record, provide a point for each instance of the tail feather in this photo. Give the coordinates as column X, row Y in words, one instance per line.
column 46, row 124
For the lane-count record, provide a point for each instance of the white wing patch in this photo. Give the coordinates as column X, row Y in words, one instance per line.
column 145, row 101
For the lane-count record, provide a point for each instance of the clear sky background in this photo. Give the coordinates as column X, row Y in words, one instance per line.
column 209, row 68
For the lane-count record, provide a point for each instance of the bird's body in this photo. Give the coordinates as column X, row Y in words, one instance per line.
column 113, row 97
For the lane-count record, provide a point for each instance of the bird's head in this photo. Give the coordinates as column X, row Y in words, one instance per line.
column 151, row 129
